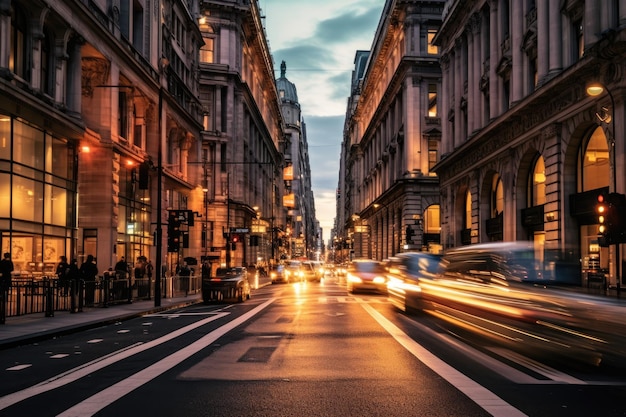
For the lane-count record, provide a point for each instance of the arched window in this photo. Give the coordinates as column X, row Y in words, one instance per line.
column 432, row 221
column 537, row 184
column 18, row 55
column 468, row 211
column 497, row 196
column 595, row 168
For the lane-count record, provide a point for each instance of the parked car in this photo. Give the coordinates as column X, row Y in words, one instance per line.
column 405, row 271
column 227, row 284
column 366, row 275
column 278, row 274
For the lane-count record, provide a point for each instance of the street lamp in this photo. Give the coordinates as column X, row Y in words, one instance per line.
column 594, row 90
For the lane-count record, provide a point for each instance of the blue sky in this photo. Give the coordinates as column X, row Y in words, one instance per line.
column 318, row 41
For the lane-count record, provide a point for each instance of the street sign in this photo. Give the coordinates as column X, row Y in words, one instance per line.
column 239, row 230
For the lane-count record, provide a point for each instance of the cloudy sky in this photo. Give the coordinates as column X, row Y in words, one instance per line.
column 318, row 40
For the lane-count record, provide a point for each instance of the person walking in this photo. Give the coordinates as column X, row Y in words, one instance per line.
column 89, row 272
column 62, row 271
column 6, row 268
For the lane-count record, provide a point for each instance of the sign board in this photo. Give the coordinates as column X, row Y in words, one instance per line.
column 239, row 230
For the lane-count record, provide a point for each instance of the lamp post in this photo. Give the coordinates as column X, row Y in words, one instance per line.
column 594, row 90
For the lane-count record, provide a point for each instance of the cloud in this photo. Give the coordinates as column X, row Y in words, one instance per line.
column 347, row 27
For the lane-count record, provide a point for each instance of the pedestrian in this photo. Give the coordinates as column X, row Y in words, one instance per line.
column 149, row 270
column 62, row 271
column 121, row 268
column 89, row 272
column 6, row 268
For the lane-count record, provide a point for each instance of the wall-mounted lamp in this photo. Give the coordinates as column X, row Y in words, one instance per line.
column 550, row 216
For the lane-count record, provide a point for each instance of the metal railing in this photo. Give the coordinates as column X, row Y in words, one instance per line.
column 31, row 295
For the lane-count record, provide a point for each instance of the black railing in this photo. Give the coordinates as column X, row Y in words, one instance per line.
column 47, row 295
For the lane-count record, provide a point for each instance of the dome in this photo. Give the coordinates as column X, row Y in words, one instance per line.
column 286, row 89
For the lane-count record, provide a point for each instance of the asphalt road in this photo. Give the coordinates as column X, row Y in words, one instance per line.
column 293, row 350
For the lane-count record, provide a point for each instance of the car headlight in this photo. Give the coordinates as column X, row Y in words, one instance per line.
column 354, row 279
column 379, row 280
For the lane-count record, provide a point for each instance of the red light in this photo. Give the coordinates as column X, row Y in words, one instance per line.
column 601, row 198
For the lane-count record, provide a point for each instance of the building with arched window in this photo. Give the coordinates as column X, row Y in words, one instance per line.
column 526, row 149
column 389, row 194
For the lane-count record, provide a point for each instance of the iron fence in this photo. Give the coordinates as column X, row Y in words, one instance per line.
column 30, row 295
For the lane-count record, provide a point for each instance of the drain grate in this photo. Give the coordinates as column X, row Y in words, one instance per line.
column 257, row 354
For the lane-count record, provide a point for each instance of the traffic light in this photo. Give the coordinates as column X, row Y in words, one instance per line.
column 234, row 238
column 610, row 209
column 602, row 210
column 173, row 232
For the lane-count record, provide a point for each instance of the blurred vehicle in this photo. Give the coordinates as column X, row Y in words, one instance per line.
column 341, row 270
column 319, row 269
column 405, row 271
column 366, row 275
column 293, row 271
column 501, row 291
column 309, row 272
column 228, row 283
column 278, row 274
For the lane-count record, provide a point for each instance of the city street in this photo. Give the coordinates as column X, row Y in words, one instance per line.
column 306, row 349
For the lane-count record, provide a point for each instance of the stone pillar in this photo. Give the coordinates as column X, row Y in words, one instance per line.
column 494, row 57
column 556, row 43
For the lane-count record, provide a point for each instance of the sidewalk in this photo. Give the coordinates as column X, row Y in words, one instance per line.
column 31, row 328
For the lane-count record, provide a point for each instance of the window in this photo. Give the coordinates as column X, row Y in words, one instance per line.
column 18, row 53
column 430, row 48
column 580, row 38
column 537, row 184
column 468, row 210
column 46, row 58
column 432, row 100
column 207, row 51
column 432, row 222
column 497, row 195
column 595, row 162
column 433, row 153
column 122, row 115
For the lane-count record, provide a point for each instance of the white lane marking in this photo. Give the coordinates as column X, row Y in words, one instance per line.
column 59, row 356
column 123, row 331
column 19, row 367
column 486, row 399
column 538, row 367
column 86, row 369
column 93, row 404
column 95, row 340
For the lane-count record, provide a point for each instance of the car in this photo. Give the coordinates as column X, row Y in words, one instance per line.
column 293, row 270
column 366, row 275
column 405, row 271
column 278, row 274
column 228, row 283
column 512, row 293
column 308, row 271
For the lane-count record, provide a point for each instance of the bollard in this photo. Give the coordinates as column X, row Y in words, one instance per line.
column 48, row 297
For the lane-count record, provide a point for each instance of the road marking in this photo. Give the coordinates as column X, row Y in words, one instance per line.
column 486, row 399
column 95, row 340
column 538, row 367
column 91, row 367
column 108, row 396
column 59, row 356
column 19, row 367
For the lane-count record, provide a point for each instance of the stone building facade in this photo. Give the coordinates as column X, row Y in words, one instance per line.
column 526, row 150
column 389, row 200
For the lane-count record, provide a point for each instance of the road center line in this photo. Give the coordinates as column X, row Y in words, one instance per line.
column 86, row 369
column 95, row 403
column 486, row 399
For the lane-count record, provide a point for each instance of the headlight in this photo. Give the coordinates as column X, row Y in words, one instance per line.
column 379, row 280
column 354, row 278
